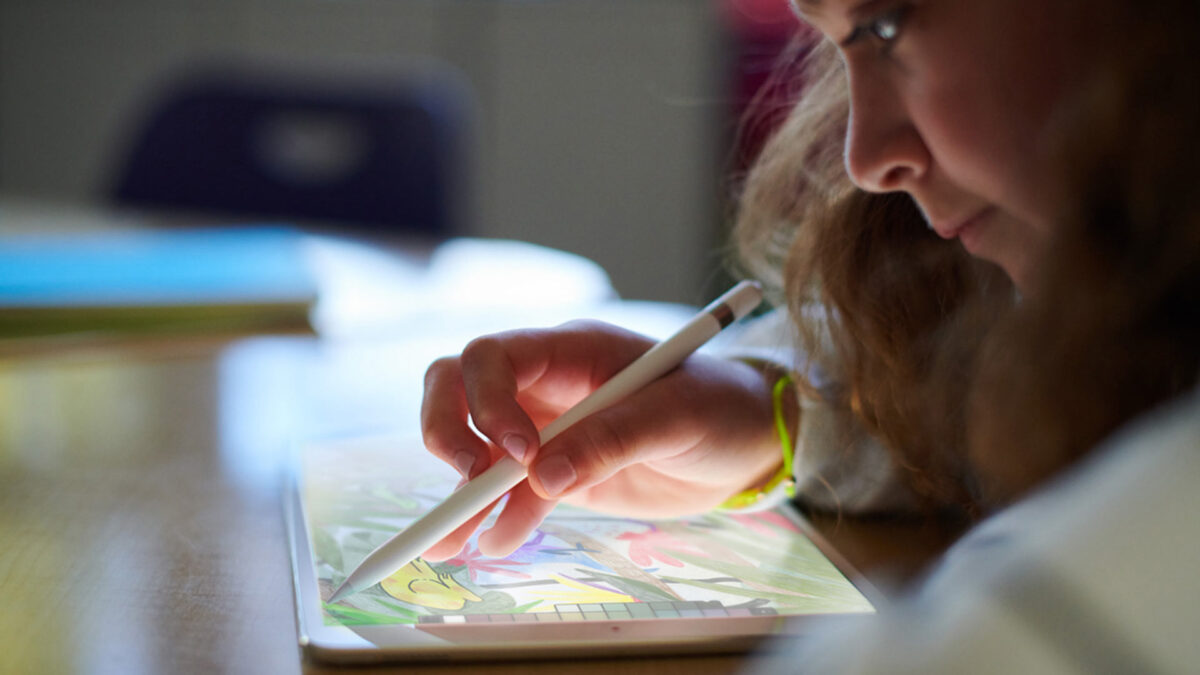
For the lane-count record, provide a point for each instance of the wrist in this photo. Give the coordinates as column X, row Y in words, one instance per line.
column 778, row 484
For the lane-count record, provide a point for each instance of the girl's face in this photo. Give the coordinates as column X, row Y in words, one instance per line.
column 952, row 101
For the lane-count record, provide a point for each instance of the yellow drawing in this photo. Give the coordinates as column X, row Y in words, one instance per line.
column 420, row 584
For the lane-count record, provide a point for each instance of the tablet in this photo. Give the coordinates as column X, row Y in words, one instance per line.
column 585, row 583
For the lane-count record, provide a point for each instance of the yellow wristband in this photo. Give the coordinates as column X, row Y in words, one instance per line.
column 783, row 479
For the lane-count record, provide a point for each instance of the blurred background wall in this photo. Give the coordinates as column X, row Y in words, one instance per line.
column 601, row 127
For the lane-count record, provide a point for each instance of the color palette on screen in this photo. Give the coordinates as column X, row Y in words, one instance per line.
column 609, row 611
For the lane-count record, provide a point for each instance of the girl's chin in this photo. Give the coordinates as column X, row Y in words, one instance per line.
column 982, row 239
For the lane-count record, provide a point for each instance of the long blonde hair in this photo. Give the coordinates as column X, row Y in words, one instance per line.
column 909, row 316
column 891, row 290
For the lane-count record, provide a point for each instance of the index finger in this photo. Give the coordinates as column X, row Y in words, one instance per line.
column 565, row 364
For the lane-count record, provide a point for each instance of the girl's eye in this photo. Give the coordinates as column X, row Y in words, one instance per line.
column 884, row 29
column 887, row 27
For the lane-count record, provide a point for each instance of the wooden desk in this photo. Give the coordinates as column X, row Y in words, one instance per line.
column 140, row 506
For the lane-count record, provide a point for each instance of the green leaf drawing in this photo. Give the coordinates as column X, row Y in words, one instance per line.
column 786, row 580
column 778, row 598
column 782, row 599
column 521, row 609
column 490, row 602
column 800, row 561
column 409, row 504
column 327, row 550
column 350, row 616
column 633, row 587
column 747, row 573
column 363, row 523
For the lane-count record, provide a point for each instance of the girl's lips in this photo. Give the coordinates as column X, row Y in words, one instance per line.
column 961, row 228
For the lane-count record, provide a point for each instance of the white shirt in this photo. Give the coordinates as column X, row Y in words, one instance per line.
column 1098, row 572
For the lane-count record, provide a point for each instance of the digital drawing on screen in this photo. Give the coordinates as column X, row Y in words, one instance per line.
column 578, row 565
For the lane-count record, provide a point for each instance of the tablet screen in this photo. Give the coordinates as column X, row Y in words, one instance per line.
column 582, row 578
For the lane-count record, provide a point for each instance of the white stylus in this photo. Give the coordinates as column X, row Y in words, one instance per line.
column 506, row 473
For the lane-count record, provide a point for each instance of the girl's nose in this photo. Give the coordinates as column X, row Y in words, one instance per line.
column 884, row 151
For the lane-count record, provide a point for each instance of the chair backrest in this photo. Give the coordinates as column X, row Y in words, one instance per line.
column 365, row 152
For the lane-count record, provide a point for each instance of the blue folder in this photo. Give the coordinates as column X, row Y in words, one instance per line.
column 212, row 280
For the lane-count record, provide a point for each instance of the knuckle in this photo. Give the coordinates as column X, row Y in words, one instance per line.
column 440, row 369
column 487, row 420
column 480, row 350
column 442, row 439
column 436, row 439
column 582, row 326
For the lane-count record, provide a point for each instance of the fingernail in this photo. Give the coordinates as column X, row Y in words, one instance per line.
column 515, row 445
column 556, row 475
column 464, row 461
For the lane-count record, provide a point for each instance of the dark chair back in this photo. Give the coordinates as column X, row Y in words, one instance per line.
column 257, row 144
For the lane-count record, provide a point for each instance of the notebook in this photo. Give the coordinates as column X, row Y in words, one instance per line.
column 208, row 281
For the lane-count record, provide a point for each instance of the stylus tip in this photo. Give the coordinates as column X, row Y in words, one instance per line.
column 342, row 592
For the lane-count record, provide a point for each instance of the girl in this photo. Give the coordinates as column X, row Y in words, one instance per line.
column 983, row 221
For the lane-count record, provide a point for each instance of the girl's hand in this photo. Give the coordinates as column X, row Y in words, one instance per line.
column 683, row 444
